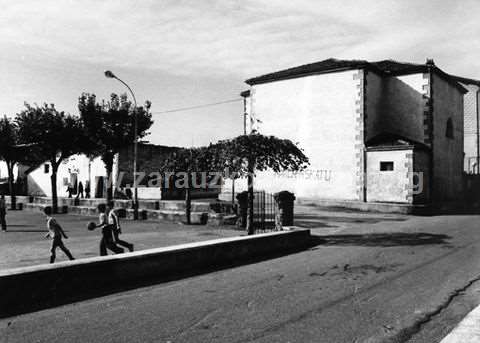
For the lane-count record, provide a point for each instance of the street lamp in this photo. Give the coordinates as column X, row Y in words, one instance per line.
column 111, row 75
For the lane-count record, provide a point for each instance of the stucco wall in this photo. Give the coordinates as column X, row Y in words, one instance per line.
column 388, row 186
column 447, row 152
column 421, row 167
column 319, row 112
column 402, row 108
column 4, row 171
column 470, row 107
column 374, row 104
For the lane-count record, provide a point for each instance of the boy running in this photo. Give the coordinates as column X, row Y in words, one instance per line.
column 55, row 232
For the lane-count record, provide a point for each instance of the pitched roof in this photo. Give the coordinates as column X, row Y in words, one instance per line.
column 387, row 139
column 466, row 80
column 384, row 67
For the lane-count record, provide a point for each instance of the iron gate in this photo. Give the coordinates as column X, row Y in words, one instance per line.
column 264, row 211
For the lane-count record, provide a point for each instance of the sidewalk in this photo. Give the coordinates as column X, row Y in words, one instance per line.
column 24, row 244
column 468, row 331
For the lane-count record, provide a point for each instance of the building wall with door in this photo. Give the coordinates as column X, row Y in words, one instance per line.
column 78, row 167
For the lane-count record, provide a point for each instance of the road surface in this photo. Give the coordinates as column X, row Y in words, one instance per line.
column 369, row 278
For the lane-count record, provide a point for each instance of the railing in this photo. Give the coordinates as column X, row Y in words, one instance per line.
column 264, row 211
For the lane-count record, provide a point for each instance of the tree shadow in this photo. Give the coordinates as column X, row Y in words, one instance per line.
column 381, row 239
column 340, row 219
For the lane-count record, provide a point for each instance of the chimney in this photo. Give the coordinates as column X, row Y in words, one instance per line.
column 430, row 62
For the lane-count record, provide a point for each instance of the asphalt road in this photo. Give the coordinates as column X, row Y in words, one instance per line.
column 369, row 278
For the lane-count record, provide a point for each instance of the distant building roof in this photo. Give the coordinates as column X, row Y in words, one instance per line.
column 387, row 140
column 385, row 67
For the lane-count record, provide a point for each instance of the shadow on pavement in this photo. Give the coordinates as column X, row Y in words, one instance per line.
column 382, row 239
column 310, row 221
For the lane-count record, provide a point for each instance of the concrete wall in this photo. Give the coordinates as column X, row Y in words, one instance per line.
column 421, row 167
column 394, row 106
column 320, row 113
column 374, row 104
column 389, row 186
column 447, row 152
column 470, row 124
column 32, row 288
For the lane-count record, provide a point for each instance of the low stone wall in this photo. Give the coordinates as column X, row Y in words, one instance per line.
column 32, row 288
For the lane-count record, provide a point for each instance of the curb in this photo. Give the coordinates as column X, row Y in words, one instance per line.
column 467, row 331
column 34, row 288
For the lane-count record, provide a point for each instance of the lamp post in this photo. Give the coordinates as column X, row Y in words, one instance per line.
column 111, row 75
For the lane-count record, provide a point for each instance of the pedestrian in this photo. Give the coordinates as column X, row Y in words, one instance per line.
column 80, row 190
column 115, row 222
column 55, row 232
column 107, row 241
column 87, row 189
column 3, row 213
column 69, row 190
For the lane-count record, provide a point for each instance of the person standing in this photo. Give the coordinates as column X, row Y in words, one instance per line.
column 115, row 223
column 3, row 213
column 55, row 232
column 108, row 240
column 80, row 190
column 87, row 189
column 69, row 190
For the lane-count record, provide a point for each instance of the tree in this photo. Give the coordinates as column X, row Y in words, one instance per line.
column 55, row 134
column 110, row 127
column 188, row 163
column 243, row 155
column 9, row 147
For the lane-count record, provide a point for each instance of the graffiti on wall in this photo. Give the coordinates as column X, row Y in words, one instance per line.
column 307, row 174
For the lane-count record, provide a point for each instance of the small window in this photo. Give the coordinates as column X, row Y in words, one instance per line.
column 46, row 168
column 449, row 130
column 386, row 166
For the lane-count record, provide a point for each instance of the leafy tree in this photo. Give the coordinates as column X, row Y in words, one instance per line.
column 243, row 155
column 9, row 152
column 187, row 162
column 56, row 135
column 110, row 126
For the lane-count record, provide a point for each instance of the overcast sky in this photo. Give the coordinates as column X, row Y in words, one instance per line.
column 185, row 53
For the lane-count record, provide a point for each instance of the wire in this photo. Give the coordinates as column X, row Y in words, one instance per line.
column 198, row 106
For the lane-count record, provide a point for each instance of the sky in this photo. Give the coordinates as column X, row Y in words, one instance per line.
column 180, row 54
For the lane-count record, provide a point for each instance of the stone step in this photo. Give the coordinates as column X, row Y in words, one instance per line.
column 40, row 207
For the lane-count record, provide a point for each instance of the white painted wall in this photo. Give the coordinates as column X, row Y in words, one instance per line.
column 4, row 170
column 318, row 112
column 388, row 186
column 39, row 182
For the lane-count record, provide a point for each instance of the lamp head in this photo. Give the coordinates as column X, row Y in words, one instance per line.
column 109, row 74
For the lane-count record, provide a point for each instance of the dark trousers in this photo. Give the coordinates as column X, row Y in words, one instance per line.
column 107, row 243
column 118, row 241
column 57, row 243
column 2, row 220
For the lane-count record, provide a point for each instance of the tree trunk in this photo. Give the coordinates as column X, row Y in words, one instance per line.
column 53, row 179
column 109, row 168
column 11, row 186
column 188, row 200
column 250, row 228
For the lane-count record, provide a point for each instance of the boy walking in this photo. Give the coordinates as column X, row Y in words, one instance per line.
column 107, row 240
column 55, row 232
column 115, row 223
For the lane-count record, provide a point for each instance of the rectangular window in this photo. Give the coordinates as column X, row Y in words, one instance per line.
column 46, row 168
column 386, row 166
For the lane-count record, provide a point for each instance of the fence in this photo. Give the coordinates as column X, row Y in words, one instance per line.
column 264, row 211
